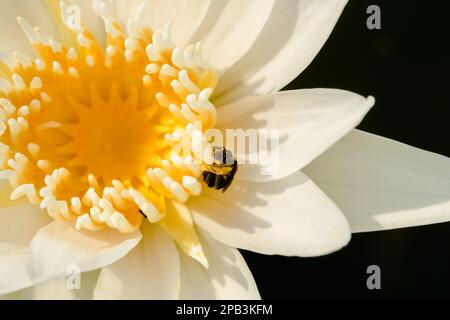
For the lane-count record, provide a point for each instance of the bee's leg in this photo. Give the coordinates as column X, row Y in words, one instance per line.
column 224, row 155
column 219, row 182
column 142, row 213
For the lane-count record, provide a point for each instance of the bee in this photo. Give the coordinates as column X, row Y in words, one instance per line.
column 219, row 175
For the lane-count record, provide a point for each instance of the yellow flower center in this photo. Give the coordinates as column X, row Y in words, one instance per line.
column 88, row 131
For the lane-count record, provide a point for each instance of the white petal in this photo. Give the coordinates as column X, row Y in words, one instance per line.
column 308, row 122
column 89, row 19
column 18, row 226
column 11, row 35
column 383, row 184
column 59, row 289
column 288, row 217
column 293, row 35
column 13, row 268
column 227, row 277
column 150, row 271
column 185, row 15
column 230, row 29
column 59, row 246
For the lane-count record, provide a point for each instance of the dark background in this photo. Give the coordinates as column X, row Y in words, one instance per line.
column 405, row 65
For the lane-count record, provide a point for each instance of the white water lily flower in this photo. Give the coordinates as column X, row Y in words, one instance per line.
column 91, row 112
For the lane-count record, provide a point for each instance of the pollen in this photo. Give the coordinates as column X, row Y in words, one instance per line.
column 89, row 130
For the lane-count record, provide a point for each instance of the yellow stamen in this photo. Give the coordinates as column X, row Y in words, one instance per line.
column 88, row 133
